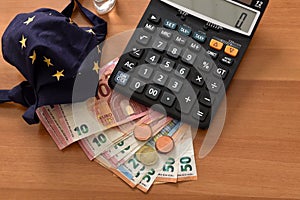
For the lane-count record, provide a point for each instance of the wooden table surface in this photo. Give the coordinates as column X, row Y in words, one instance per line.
column 258, row 154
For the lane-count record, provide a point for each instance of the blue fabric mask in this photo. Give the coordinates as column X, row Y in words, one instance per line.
column 49, row 50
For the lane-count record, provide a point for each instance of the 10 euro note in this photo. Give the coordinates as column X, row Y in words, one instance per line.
column 107, row 110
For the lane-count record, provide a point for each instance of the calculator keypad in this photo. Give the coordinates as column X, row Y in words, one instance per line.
column 168, row 64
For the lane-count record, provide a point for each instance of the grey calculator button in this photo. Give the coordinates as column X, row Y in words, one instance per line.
column 145, row 71
column 159, row 45
column 175, row 85
column 167, row 65
column 189, row 57
column 182, row 71
column 181, row 40
column 137, row 85
column 168, row 99
column 167, row 34
column 174, row 51
column 143, row 39
column 160, row 78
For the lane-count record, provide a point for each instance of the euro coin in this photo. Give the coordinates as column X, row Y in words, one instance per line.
column 164, row 144
column 142, row 132
column 147, row 155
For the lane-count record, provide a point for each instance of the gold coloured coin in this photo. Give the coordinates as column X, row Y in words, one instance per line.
column 142, row 132
column 147, row 155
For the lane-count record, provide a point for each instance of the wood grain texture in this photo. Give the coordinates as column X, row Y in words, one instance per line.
column 258, row 154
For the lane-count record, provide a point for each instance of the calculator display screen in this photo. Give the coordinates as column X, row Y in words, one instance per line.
column 226, row 13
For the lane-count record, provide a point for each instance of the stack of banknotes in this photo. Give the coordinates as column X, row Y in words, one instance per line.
column 140, row 146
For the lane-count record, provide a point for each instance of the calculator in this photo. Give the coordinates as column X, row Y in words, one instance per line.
column 184, row 54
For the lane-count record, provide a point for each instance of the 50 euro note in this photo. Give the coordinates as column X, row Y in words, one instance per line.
column 107, row 110
column 121, row 152
column 183, row 167
column 135, row 168
column 180, row 146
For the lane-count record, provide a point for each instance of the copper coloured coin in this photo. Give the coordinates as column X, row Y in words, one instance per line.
column 142, row 132
column 164, row 144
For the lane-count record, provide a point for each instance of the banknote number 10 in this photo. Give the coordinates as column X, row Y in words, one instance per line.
column 83, row 129
column 101, row 139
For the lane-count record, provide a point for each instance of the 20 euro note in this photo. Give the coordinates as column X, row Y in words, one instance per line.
column 177, row 136
column 107, row 110
column 133, row 170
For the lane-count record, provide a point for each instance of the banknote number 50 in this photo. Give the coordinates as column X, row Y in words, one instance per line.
column 83, row 129
column 185, row 164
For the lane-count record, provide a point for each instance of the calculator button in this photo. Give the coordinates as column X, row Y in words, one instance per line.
column 160, row 45
column 170, row 25
column 145, row 71
column 154, row 19
column 182, row 71
column 195, row 47
column 122, row 78
column 150, row 27
column 221, row 73
column 228, row 61
column 175, row 85
column 180, row 40
column 160, row 78
column 168, row 99
column 199, row 36
column 174, row 51
column 137, row 85
column 205, row 99
column 144, row 39
column 165, row 34
column 152, row 58
column 198, row 80
column 186, row 100
column 137, row 53
column 212, row 54
column 185, row 30
column 215, row 44
column 214, row 85
column 201, row 114
column 231, row 51
column 129, row 65
column 167, row 64
column 153, row 92
column 189, row 57
column 206, row 65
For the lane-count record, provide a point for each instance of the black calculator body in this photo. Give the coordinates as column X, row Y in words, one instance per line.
column 184, row 53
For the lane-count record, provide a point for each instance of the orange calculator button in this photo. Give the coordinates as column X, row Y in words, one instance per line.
column 216, row 44
column 231, row 51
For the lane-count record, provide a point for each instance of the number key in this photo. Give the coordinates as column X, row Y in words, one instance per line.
column 152, row 58
column 145, row 71
column 175, row 85
column 153, row 92
column 174, row 51
column 137, row 85
column 182, row 71
column 160, row 45
column 167, row 65
column 160, row 78
column 189, row 57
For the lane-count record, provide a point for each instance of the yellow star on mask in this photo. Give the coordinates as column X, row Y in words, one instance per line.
column 96, row 67
column 23, row 42
column 29, row 20
column 59, row 74
column 33, row 57
column 48, row 61
column 91, row 31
